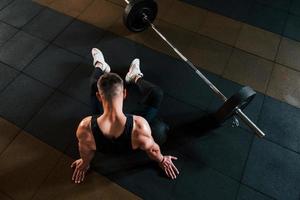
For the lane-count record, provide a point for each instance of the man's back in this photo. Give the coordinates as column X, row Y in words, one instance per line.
column 99, row 131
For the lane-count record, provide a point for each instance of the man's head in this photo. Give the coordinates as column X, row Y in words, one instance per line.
column 110, row 86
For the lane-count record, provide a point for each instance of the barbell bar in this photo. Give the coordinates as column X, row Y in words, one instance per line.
column 140, row 14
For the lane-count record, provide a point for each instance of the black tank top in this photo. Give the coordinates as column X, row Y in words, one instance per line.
column 106, row 145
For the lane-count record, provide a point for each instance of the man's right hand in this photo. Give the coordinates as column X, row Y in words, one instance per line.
column 80, row 170
column 168, row 166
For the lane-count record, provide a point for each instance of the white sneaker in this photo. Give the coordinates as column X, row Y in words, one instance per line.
column 134, row 71
column 99, row 60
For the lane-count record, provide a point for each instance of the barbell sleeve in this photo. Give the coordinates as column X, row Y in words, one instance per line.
column 248, row 121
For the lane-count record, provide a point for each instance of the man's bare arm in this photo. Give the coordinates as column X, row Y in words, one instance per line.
column 87, row 147
column 146, row 142
column 86, row 142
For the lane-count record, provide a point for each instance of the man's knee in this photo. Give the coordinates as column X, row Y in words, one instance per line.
column 157, row 95
column 159, row 131
column 158, row 92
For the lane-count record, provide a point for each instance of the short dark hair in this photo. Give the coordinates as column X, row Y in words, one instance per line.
column 108, row 85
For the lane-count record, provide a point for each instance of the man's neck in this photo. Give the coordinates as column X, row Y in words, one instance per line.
column 113, row 111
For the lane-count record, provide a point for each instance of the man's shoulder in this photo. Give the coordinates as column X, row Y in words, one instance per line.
column 141, row 126
column 84, row 127
column 139, row 119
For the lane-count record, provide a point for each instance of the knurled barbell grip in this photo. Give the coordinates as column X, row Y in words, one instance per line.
column 190, row 64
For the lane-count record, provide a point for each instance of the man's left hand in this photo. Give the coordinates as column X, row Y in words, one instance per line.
column 168, row 166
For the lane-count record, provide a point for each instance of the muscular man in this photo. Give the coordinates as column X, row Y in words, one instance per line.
column 113, row 130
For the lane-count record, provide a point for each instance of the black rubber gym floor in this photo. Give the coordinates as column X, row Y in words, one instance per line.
column 278, row 16
column 44, row 76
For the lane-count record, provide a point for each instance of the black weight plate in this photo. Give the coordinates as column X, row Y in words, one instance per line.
column 239, row 100
column 133, row 17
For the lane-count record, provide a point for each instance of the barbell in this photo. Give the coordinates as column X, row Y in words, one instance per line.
column 140, row 14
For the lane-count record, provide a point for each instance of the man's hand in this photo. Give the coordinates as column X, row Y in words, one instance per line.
column 168, row 166
column 80, row 170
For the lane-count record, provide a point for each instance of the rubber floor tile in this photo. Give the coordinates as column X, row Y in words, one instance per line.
column 109, row 14
column 225, row 7
column 20, row 50
column 224, row 149
column 201, row 3
column 70, row 7
column 57, row 121
column 179, row 37
column 176, row 78
column 8, row 133
column 268, row 18
column 7, row 74
column 120, row 3
column 29, row 160
column 177, row 112
column 4, row 196
column 197, row 181
column 43, row 2
column 118, row 52
column 22, row 99
column 185, row 121
column 220, row 28
column 58, row 185
column 292, row 29
column 288, row 53
column 281, row 4
column 247, row 69
column 241, row 10
column 273, row 170
column 53, row 66
column 164, row 7
column 295, row 7
column 77, row 84
column 146, row 179
column 147, row 182
column 79, row 37
column 284, row 85
column 191, row 20
column 257, row 41
column 48, row 24
column 280, row 121
column 4, row 3
column 6, row 32
column 209, row 54
column 245, row 193
column 20, row 12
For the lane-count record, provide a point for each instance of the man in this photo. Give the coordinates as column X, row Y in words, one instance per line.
column 114, row 130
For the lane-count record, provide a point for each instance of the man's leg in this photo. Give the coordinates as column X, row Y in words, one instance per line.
column 152, row 94
column 101, row 67
column 151, row 100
